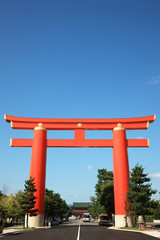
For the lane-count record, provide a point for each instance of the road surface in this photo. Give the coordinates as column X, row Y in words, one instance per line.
column 76, row 230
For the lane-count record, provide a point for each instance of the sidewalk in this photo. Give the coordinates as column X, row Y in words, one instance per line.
column 152, row 232
column 12, row 229
column 17, row 228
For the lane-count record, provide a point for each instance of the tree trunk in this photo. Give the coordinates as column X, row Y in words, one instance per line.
column 27, row 220
column 144, row 221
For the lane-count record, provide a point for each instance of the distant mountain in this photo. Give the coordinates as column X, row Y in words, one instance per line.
column 70, row 205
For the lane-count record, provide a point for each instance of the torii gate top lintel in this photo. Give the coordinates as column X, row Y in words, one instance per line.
column 74, row 123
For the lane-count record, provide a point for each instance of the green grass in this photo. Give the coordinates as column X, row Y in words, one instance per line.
column 23, row 228
column 133, row 228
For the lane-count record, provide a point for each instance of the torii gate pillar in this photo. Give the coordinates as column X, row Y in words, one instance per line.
column 121, row 174
column 38, row 171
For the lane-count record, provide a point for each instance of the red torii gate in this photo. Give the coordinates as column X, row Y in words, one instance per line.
column 119, row 143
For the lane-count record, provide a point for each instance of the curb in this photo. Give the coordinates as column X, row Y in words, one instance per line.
column 153, row 233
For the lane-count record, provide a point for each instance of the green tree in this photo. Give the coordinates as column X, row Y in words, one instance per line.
column 157, row 212
column 27, row 200
column 102, row 176
column 140, row 193
column 104, row 190
column 49, row 203
column 95, row 208
column 55, row 206
column 3, row 201
column 12, row 206
column 1, row 194
column 107, row 197
column 20, row 212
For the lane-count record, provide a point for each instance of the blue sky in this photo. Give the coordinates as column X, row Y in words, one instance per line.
column 78, row 59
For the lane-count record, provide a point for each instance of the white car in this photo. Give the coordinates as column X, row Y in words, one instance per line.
column 86, row 217
column 72, row 217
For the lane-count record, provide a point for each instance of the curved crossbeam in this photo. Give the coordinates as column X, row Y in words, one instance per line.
column 79, row 123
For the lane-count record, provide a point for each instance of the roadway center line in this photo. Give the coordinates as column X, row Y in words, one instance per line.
column 78, row 236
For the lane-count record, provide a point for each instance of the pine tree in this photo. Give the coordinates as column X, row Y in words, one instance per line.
column 139, row 195
column 27, row 200
column 103, row 176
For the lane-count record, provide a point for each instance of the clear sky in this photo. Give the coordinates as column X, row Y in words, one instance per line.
column 78, row 59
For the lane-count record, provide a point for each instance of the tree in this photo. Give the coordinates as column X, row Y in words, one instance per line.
column 1, row 194
column 20, row 212
column 157, row 212
column 55, row 206
column 12, row 206
column 102, row 176
column 105, row 191
column 107, row 197
column 27, row 200
column 139, row 194
column 95, row 208
column 49, row 203
column 3, row 200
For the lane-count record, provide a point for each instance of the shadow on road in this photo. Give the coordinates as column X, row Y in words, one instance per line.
column 12, row 234
column 82, row 226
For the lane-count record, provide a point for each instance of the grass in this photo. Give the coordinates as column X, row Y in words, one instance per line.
column 23, row 228
column 134, row 228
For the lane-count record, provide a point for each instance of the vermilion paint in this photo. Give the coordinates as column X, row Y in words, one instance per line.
column 38, row 166
column 120, row 169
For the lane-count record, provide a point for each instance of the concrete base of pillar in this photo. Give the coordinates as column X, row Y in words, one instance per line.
column 123, row 221
column 37, row 221
column 120, row 220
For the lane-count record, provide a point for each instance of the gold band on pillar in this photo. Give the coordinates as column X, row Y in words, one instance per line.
column 40, row 127
column 118, row 127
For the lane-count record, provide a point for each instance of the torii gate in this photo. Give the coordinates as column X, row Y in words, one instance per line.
column 119, row 143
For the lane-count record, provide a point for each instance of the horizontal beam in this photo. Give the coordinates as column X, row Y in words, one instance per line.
column 9, row 118
column 86, row 126
column 138, row 142
column 21, row 142
column 79, row 143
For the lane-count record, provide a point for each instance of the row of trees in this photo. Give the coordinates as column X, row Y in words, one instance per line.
column 55, row 206
column 139, row 197
column 23, row 203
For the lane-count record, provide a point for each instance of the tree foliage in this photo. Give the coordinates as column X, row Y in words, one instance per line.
column 107, row 197
column 105, row 190
column 11, row 205
column 140, row 193
column 156, row 214
column 1, row 194
column 55, row 206
column 103, row 202
column 27, row 199
column 95, row 208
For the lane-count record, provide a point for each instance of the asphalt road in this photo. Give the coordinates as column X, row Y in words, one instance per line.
column 76, row 230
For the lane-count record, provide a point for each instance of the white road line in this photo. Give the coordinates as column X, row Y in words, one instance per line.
column 78, row 236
